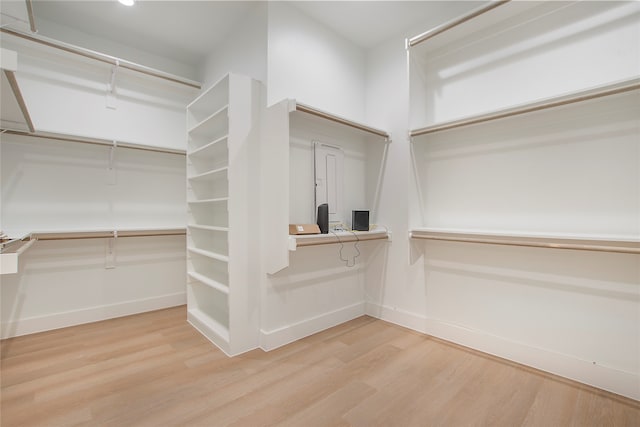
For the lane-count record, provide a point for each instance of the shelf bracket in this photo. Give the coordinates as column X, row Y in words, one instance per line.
column 111, row 169
column 110, row 254
column 111, row 90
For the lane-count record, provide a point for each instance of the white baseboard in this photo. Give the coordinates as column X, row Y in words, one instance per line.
column 87, row 315
column 616, row 381
column 270, row 340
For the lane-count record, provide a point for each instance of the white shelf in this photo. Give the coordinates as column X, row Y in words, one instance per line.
column 209, row 327
column 209, row 282
column 209, row 150
column 609, row 89
column 208, row 175
column 338, row 119
column 211, row 99
column 212, row 124
column 208, row 227
column 599, row 243
column 203, row 201
column 296, row 241
column 11, row 252
column 209, row 254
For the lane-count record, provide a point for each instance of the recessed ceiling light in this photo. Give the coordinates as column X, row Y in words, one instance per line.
column 127, row 2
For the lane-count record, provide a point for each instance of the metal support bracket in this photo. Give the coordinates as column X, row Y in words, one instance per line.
column 111, row 90
column 111, row 169
column 110, row 255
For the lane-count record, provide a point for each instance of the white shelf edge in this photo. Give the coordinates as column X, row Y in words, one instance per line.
column 208, row 227
column 10, row 256
column 199, row 150
column 341, row 120
column 209, row 282
column 413, row 41
column 297, row 241
column 206, row 91
column 203, row 122
column 106, row 233
column 93, row 141
column 598, row 243
column 210, row 325
column 209, row 254
column 600, row 91
column 206, row 175
column 216, row 200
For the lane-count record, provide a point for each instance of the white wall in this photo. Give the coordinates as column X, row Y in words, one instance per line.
column 243, row 51
column 310, row 63
column 572, row 313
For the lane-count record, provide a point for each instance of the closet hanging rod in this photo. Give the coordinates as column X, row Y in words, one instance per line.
column 94, row 141
column 571, row 98
column 122, row 63
column 454, row 23
column 13, row 83
column 626, row 247
column 318, row 113
column 76, row 235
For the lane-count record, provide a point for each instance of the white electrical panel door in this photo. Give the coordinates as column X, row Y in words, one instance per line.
column 329, row 179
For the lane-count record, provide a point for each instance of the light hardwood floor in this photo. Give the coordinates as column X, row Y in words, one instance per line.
column 153, row 369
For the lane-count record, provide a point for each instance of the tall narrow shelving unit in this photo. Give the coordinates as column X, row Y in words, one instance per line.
column 222, row 131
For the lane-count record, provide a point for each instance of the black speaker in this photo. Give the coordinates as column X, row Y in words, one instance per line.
column 323, row 218
column 360, row 220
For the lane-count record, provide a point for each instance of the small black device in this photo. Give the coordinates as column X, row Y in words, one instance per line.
column 323, row 218
column 359, row 220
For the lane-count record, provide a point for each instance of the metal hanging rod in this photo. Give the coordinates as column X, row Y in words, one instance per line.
column 454, row 23
column 572, row 98
column 616, row 246
column 11, row 78
column 94, row 141
column 76, row 235
column 103, row 58
column 318, row 113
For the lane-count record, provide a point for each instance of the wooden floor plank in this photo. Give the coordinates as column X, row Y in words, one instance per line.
column 154, row 369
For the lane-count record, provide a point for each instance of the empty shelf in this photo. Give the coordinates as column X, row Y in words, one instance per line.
column 209, row 282
column 209, row 327
column 217, row 200
column 208, row 175
column 208, row 227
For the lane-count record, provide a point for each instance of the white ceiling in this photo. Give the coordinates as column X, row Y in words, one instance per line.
column 186, row 31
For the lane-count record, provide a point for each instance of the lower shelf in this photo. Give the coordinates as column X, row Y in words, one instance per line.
column 209, row 282
column 210, row 328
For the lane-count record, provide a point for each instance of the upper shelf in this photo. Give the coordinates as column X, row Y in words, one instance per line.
column 14, row 109
column 553, row 102
column 589, row 243
column 296, row 106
